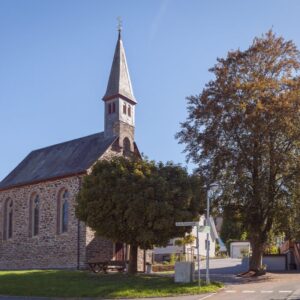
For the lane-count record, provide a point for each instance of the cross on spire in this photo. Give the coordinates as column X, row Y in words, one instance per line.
column 119, row 26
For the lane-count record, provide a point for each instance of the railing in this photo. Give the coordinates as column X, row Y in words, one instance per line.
column 297, row 253
column 293, row 247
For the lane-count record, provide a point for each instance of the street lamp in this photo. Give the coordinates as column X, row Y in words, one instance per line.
column 207, row 240
column 207, row 234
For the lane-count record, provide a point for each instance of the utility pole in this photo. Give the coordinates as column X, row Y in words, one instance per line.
column 198, row 255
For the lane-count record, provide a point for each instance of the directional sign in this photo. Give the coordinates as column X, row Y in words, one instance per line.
column 187, row 223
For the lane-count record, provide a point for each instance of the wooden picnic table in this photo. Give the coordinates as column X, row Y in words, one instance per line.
column 104, row 266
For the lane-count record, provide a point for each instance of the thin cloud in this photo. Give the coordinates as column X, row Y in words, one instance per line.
column 157, row 19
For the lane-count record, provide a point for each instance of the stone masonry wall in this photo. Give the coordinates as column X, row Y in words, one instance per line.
column 48, row 249
column 97, row 248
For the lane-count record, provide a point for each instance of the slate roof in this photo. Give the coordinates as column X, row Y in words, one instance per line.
column 68, row 158
column 119, row 83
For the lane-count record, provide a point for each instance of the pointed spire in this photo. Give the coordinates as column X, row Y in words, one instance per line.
column 119, row 83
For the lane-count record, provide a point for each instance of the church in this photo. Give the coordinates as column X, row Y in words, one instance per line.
column 38, row 226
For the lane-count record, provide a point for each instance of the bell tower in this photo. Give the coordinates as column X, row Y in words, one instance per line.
column 119, row 101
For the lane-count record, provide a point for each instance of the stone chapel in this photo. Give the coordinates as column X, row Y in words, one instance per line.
column 38, row 227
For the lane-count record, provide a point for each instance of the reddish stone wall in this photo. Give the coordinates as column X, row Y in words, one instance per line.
column 97, row 248
column 48, row 249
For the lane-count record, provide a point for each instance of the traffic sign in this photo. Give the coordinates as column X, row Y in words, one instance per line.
column 187, row 223
column 205, row 229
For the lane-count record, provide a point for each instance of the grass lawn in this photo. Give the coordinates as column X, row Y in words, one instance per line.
column 85, row 284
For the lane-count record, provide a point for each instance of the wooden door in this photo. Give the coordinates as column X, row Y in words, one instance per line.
column 119, row 252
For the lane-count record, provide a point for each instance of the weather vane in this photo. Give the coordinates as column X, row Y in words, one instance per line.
column 119, row 24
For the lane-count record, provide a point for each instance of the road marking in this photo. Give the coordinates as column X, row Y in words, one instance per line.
column 205, row 297
column 285, row 291
column 248, row 292
column 266, row 292
column 230, row 291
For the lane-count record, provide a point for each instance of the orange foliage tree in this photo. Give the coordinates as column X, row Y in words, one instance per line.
column 243, row 132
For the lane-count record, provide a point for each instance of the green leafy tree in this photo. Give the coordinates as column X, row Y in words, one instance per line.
column 288, row 224
column 243, row 131
column 232, row 226
column 137, row 202
column 186, row 240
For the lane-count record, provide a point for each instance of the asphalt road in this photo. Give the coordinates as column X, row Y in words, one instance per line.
column 277, row 286
column 224, row 270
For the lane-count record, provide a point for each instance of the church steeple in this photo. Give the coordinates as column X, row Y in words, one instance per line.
column 119, row 100
column 119, row 83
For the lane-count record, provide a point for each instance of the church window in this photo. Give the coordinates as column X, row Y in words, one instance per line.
column 34, row 215
column 8, row 219
column 63, row 212
column 109, row 108
column 124, row 108
column 126, row 144
column 114, row 107
column 129, row 110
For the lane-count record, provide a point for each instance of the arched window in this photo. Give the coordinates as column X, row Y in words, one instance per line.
column 126, row 144
column 109, row 108
column 114, row 107
column 34, row 215
column 129, row 110
column 63, row 211
column 8, row 219
column 124, row 108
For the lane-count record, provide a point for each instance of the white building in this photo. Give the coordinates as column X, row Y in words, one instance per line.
column 164, row 253
column 239, row 249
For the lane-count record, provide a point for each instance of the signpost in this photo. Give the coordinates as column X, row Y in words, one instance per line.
column 200, row 228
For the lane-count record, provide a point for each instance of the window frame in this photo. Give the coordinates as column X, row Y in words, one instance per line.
column 126, row 144
column 63, row 208
column 34, row 214
column 129, row 111
column 8, row 219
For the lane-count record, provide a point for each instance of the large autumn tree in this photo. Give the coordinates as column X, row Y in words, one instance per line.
column 243, row 131
column 137, row 202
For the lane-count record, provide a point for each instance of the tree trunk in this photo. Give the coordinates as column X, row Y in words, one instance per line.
column 133, row 259
column 257, row 254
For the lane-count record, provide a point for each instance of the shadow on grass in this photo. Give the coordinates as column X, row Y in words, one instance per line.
column 57, row 283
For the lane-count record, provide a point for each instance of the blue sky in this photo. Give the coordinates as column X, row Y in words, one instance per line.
column 55, row 58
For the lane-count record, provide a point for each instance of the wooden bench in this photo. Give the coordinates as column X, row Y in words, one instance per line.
column 104, row 266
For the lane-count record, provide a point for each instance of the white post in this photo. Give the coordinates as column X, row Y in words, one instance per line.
column 207, row 242
column 198, row 255
column 249, row 256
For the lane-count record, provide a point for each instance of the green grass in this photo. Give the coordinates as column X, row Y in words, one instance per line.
column 57, row 283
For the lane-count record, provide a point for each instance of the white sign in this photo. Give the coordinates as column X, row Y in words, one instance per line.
column 187, row 223
column 205, row 229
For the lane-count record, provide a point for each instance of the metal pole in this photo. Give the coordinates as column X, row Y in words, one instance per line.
column 198, row 255
column 207, row 241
